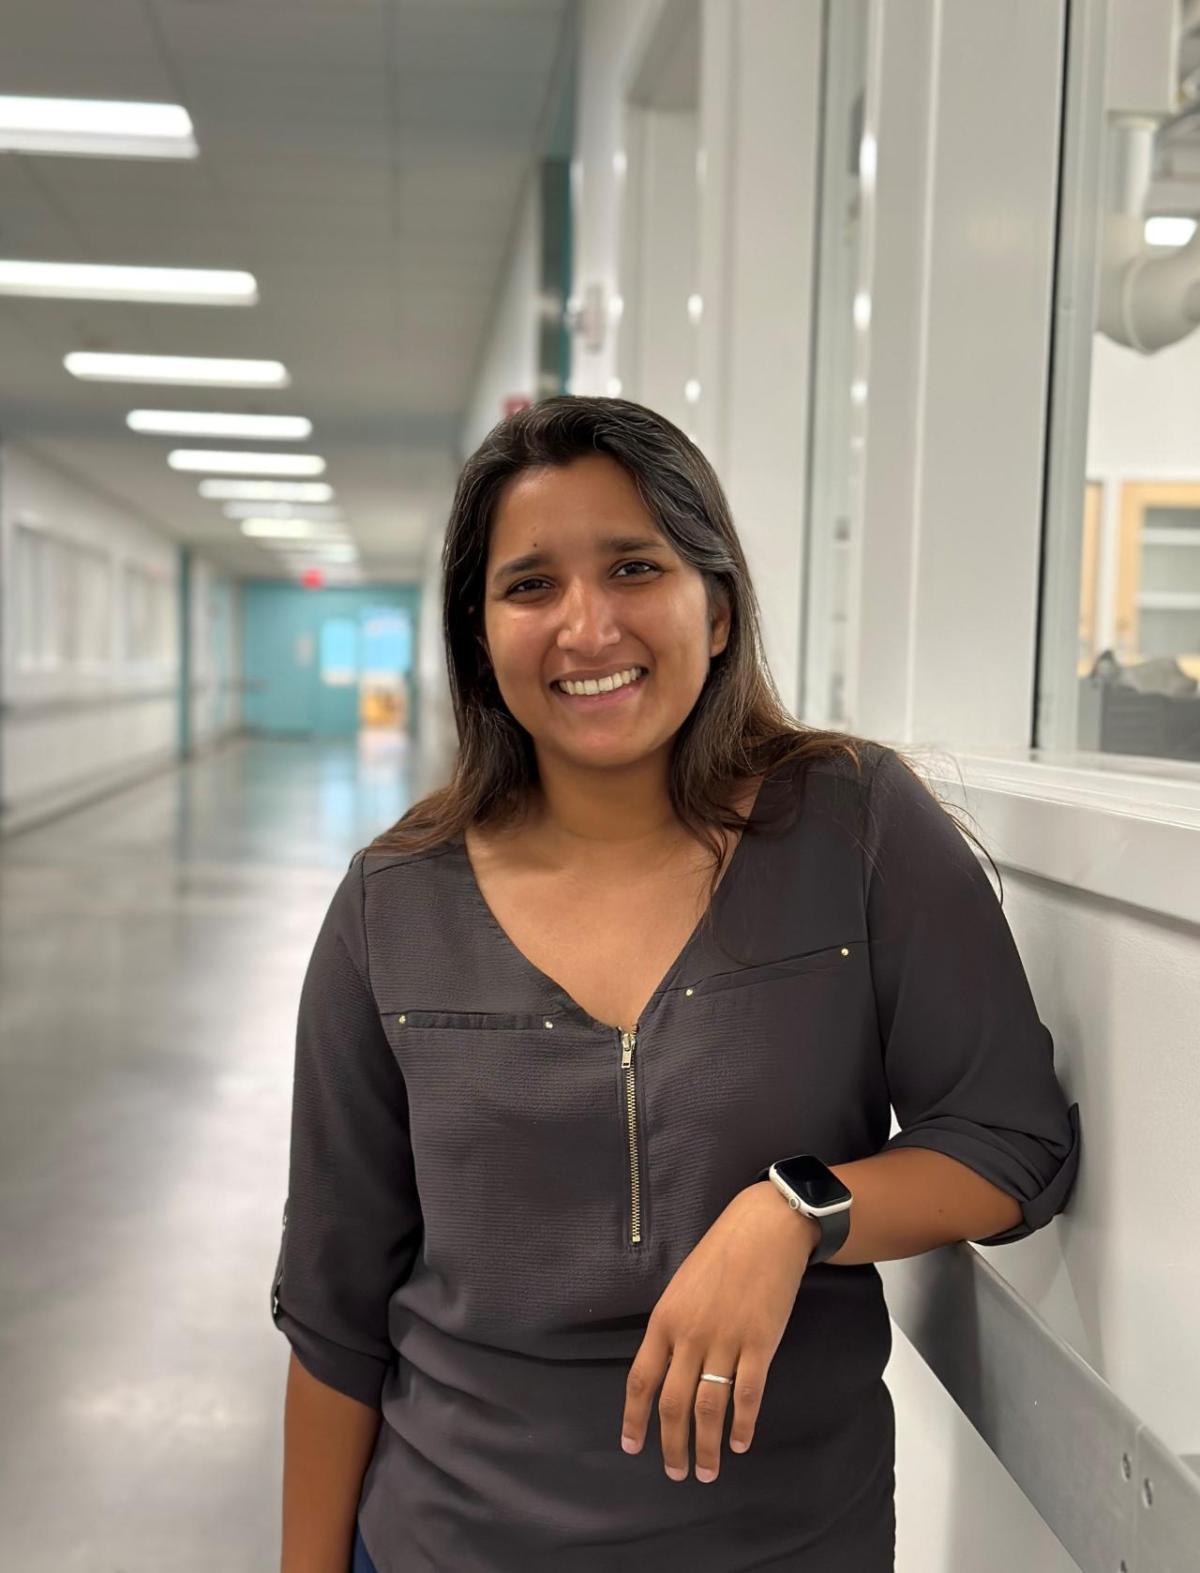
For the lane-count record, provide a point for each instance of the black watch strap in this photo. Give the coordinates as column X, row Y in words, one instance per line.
column 834, row 1227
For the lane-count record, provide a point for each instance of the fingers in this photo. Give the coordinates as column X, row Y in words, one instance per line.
column 747, row 1398
column 709, row 1407
column 645, row 1376
column 685, row 1399
column 675, row 1408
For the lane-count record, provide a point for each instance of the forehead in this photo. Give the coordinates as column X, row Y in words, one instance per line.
column 554, row 502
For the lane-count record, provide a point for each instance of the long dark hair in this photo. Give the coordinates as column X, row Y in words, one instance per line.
column 738, row 726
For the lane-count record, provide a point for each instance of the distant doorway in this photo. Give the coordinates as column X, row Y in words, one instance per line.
column 329, row 663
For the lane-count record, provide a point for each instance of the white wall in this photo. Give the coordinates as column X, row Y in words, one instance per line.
column 755, row 133
column 1142, row 418
column 71, row 725
column 959, row 344
column 509, row 363
column 508, row 367
column 215, row 618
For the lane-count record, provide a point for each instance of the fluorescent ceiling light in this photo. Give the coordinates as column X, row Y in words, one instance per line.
column 104, row 281
column 103, row 127
column 1169, row 231
column 269, row 491
column 245, row 463
column 281, row 510
column 335, row 552
column 292, row 530
column 202, row 370
column 196, row 423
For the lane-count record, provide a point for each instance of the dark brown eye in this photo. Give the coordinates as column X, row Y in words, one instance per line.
column 522, row 584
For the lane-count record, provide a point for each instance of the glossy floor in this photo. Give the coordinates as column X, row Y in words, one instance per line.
column 152, row 948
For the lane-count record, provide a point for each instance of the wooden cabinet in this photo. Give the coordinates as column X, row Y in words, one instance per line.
column 1157, row 576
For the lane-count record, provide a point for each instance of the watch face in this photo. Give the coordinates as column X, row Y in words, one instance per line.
column 812, row 1181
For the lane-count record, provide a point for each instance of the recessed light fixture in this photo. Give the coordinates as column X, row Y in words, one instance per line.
column 105, row 281
column 292, row 530
column 196, row 423
column 269, row 491
column 245, row 463
column 200, row 370
column 107, row 128
column 281, row 510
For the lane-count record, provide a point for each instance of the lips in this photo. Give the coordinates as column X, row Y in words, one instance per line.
column 599, row 677
column 601, row 701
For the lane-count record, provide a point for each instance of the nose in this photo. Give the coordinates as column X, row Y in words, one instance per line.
column 587, row 618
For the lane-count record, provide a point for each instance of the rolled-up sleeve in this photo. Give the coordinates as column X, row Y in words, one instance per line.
column 351, row 1221
column 969, row 1065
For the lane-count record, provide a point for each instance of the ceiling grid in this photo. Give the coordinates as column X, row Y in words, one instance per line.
column 364, row 159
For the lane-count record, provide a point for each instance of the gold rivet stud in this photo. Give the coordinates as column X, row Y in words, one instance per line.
column 845, row 952
column 547, row 1023
column 402, row 1019
column 689, row 991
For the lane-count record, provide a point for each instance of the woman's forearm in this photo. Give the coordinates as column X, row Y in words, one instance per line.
column 910, row 1200
column 328, row 1440
column 913, row 1199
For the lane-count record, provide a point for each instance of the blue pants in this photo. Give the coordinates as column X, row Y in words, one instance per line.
column 362, row 1562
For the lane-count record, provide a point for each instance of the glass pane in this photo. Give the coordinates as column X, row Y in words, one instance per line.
column 339, row 652
column 1135, row 687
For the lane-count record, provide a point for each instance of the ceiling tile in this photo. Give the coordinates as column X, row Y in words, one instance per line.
column 105, row 71
column 78, row 27
column 364, row 158
column 434, row 38
column 245, row 98
column 229, row 31
column 463, row 104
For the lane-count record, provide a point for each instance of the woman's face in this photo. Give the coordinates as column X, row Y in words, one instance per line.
column 607, row 594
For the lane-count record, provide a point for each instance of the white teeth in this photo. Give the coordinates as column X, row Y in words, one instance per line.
column 603, row 685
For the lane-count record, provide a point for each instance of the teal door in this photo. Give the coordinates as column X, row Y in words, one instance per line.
column 325, row 662
column 335, row 675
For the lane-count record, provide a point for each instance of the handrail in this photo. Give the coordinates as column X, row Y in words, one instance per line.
column 45, row 706
column 1115, row 1495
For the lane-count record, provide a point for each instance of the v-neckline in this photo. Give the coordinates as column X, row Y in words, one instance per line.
column 569, row 1004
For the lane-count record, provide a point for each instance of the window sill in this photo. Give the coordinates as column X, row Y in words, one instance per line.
column 1124, row 829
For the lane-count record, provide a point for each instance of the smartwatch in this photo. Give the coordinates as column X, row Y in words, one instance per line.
column 815, row 1191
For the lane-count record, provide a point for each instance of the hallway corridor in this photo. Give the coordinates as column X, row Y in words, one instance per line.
column 152, row 947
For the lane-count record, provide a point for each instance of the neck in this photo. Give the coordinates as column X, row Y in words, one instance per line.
column 610, row 815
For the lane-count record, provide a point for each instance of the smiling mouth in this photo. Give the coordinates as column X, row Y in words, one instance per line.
column 603, row 696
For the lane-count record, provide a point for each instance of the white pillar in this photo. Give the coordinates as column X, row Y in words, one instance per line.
column 961, row 275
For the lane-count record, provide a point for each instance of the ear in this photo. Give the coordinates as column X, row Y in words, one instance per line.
column 721, row 623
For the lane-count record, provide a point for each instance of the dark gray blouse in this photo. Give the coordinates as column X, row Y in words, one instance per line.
column 489, row 1190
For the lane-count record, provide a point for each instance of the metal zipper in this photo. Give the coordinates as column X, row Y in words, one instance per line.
column 628, row 1044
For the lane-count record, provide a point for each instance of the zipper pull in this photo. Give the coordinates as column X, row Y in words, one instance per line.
column 628, row 1044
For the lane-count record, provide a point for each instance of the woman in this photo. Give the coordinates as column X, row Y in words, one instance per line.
column 559, row 1022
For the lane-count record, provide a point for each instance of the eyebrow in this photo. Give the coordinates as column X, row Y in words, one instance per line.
column 610, row 544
